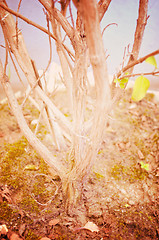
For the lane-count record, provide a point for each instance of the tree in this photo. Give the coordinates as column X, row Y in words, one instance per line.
column 84, row 138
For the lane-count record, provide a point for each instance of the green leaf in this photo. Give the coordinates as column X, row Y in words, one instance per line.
column 121, row 82
column 116, row 80
column 140, row 88
column 126, row 73
column 144, row 166
column 152, row 61
column 122, row 85
column 124, row 80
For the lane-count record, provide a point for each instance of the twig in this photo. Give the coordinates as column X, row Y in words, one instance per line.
column 64, row 38
column 17, row 23
column 108, row 26
column 39, row 77
column 49, row 62
column 6, row 59
column 71, row 14
column 16, row 69
column 2, row 46
column 9, row 50
column 125, row 56
column 139, row 74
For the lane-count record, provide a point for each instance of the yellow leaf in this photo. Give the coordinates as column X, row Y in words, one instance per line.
column 140, row 88
column 152, row 61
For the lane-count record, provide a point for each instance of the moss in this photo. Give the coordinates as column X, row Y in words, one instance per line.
column 43, row 167
column 6, row 212
column 31, row 236
column 12, row 164
column 29, row 204
column 149, row 97
column 4, row 107
column 40, row 190
column 14, row 158
column 131, row 173
column 134, row 220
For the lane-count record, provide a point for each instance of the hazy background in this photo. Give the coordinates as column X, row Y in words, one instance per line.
column 116, row 38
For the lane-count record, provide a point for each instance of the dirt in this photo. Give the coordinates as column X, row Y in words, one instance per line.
column 121, row 196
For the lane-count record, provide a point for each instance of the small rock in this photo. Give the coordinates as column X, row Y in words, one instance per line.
column 53, row 222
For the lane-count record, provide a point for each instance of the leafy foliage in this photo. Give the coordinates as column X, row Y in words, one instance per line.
column 122, row 82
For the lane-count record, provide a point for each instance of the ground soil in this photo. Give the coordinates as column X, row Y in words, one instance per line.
column 121, row 196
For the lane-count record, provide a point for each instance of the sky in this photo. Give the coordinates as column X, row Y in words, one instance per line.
column 116, row 37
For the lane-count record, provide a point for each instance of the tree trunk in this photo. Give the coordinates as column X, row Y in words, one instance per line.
column 85, row 148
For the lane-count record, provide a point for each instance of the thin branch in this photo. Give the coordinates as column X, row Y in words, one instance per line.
column 71, row 15
column 2, row 46
column 39, row 77
column 108, row 26
column 139, row 74
column 16, row 69
column 17, row 23
column 35, row 25
column 50, row 47
column 125, row 56
column 6, row 59
column 139, row 32
column 70, row 31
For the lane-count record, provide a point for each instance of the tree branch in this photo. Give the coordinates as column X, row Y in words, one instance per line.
column 34, row 25
column 140, row 27
column 132, row 64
